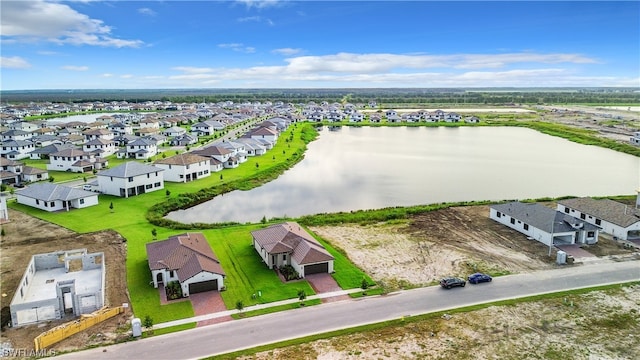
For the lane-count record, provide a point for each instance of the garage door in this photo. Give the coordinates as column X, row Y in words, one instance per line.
column 316, row 268
column 203, row 286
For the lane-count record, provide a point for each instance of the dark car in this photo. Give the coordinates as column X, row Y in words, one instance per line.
column 450, row 282
column 479, row 278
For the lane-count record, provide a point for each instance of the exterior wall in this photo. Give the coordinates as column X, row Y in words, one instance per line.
column 178, row 173
column 263, row 254
column 49, row 308
column 4, row 212
column 34, row 178
column 200, row 277
column 64, row 163
column 607, row 227
column 299, row 269
column 112, row 185
column 533, row 232
column 40, row 204
column 85, row 202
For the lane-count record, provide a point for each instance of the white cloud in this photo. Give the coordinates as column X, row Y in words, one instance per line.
column 147, row 11
column 193, row 70
column 260, row 4
column 126, row 76
column 366, row 63
column 37, row 20
column 238, row 47
column 106, row 75
column 250, row 18
column 256, row 19
column 14, row 62
column 75, row 68
column 391, row 70
column 286, row 51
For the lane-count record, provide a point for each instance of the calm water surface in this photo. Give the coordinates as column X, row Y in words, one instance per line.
column 375, row 167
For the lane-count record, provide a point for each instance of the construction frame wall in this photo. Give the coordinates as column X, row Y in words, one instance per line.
column 59, row 284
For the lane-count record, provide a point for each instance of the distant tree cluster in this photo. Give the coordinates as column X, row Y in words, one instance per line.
column 381, row 96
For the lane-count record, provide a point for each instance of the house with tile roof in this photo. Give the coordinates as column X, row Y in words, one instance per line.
column 289, row 244
column 130, row 179
column 615, row 218
column 184, row 167
column 188, row 259
column 17, row 149
column 544, row 224
column 53, row 197
column 74, row 160
column 32, row 174
column 141, row 148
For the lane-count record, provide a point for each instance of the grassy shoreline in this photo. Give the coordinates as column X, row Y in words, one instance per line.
column 135, row 218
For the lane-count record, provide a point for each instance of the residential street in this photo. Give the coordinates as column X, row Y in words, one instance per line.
column 246, row 333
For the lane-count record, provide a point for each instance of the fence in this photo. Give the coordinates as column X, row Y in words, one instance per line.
column 63, row 331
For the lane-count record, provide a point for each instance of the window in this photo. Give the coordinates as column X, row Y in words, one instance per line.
column 513, row 221
column 582, row 216
column 37, row 202
column 284, row 257
column 170, row 273
column 566, row 209
column 148, row 186
column 81, row 201
column 598, row 221
column 149, row 175
column 156, row 184
column 181, row 176
column 130, row 179
column 526, row 226
column 591, row 234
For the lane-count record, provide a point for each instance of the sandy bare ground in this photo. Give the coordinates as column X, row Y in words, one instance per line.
column 25, row 236
column 453, row 241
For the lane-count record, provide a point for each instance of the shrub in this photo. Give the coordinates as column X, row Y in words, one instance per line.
column 174, row 290
column 289, row 272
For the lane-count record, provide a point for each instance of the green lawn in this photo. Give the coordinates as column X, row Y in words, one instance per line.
column 246, row 274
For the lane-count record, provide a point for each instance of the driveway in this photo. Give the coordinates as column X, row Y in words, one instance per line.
column 208, row 302
column 575, row 250
column 324, row 283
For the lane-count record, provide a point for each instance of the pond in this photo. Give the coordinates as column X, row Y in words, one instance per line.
column 352, row 168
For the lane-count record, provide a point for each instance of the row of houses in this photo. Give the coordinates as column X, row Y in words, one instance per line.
column 135, row 178
column 573, row 221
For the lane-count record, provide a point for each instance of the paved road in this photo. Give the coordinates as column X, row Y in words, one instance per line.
column 246, row 333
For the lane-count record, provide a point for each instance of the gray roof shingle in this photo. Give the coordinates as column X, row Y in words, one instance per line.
column 129, row 169
column 608, row 210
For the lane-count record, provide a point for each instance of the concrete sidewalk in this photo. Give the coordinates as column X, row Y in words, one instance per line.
column 251, row 308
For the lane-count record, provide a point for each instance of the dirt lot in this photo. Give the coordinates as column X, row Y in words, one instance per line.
column 453, row 241
column 25, row 236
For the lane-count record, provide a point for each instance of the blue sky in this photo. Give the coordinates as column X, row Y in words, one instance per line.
column 317, row 44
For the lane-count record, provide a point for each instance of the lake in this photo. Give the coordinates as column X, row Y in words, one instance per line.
column 354, row 168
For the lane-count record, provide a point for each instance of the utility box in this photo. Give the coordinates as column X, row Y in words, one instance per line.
column 136, row 327
column 561, row 257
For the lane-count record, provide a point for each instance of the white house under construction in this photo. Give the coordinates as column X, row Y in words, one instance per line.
column 59, row 284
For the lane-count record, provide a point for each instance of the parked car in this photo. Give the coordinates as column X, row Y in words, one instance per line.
column 479, row 278
column 450, row 282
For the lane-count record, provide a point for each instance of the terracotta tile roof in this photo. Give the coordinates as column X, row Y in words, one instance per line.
column 290, row 237
column 188, row 254
column 183, row 159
